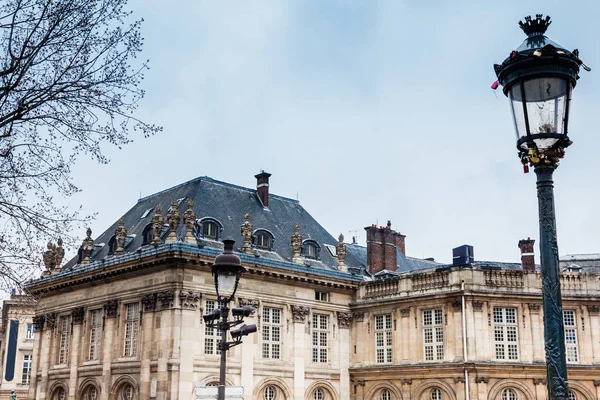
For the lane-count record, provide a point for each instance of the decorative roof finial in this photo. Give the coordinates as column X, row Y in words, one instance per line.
column 60, row 253
column 246, row 232
column 537, row 26
column 341, row 253
column 49, row 257
column 87, row 247
column 173, row 218
column 120, row 235
column 157, row 225
column 296, row 244
column 189, row 220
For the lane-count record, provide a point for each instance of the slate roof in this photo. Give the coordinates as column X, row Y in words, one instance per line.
column 228, row 203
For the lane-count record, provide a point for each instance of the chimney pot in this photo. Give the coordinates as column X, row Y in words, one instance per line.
column 527, row 255
column 262, row 187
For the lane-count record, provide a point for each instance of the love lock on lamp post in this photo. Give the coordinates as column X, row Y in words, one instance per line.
column 227, row 270
column 538, row 78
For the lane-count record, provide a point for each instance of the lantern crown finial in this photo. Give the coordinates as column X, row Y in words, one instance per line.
column 537, row 26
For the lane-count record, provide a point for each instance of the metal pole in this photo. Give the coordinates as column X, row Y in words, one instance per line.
column 224, row 347
column 554, row 335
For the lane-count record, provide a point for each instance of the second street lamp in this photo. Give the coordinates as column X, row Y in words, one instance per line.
column 538, row 78
column 227, row 270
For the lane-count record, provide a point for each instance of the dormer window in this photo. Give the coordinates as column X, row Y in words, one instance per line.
column 112, row 245
column 311, row 249
column 147, row 235
column 210, row 228
column 263, row 239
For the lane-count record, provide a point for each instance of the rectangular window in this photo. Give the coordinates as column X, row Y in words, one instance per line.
column 271, row 333
column 322, row 296
column 132, row 323
column 212, row 338
column 570, row 336
column 505, row 333
column 95, row 334
column 320, row 333
column 383, row 338
column 433, row 335
column 65, row 339
column 30, row 333
column 26, row 376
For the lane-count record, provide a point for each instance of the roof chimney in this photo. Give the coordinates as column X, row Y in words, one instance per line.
column 527, row 255
column 381, row 248
column 262, row 187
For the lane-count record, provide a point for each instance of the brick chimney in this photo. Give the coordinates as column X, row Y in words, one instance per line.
column 262, row 187
column 381, row 248
column 527, row 255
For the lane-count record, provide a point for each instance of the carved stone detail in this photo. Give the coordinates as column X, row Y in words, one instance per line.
column 77, row 314
column 189, row 220
column 299, row 313
column 341, row 253
column 358, row 316
column 457, row 305
column 149, row 302
column 344, row 319
column 158, row 222
column 405, row 312
column 596, row 382
column 539, row 381
column 406, row 381
column 50, row 320
column 296, row 242
column 87, row 247
column 477, row 305
column 459, row 380
column 593, row 309
column 482, row 379
column 120, row 236
column 39, row 320
column 534, row 307
column 249, row 302
column 53, row 258
column 189, row 299
column 359, row 383
column 111, row 308
column 166, row 298
column 173, row 219
column 246, row 231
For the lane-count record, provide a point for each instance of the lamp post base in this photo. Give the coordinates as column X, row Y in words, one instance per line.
column 554, row 336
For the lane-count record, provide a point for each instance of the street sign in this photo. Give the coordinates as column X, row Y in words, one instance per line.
column 211, row 392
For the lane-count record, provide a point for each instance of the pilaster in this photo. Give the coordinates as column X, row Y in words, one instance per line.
column 109, row 332
column 299, row 315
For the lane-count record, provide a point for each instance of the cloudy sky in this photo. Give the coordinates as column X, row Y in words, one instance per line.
column 364, row 110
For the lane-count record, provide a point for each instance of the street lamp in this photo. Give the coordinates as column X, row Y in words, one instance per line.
column 538, row 78
column 227, row 270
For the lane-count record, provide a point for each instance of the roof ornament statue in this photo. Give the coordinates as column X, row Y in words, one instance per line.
column 296, row 244
column 120, row 236
column 53, row 257
column 173, row 219
column 341, row 253
column 189, row 220
column 246, row 232
column 87, row 247
column 158, row 222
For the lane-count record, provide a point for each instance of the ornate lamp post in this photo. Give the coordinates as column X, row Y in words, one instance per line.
column 227, row 270
column 538, row 79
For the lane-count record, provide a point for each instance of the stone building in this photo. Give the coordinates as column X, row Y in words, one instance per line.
column 16, row 345
column 336, row 320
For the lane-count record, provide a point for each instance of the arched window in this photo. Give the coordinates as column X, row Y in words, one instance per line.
column 509, row 394
column 209, row 228
column 90, row 393
column 319, row 394
column 112, row 245
column 263, row 239
column 436, row 394
column 386, row 395
column 59, row 394
column 572, row 395
column 127, row 392
column 311, row 249
column 147, row 235
column 269, row 393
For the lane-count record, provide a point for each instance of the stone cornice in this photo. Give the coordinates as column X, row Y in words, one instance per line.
column 178, row 253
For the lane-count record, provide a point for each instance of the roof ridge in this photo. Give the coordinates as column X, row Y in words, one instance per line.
column 211, row 180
